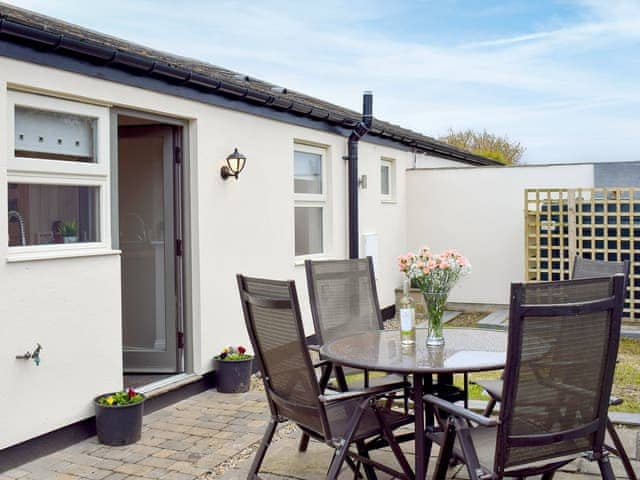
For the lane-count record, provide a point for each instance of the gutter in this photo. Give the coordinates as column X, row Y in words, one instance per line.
column 359, row 130
column 101, row 55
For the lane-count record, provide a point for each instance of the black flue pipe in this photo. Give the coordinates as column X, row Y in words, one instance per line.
column 359, row 131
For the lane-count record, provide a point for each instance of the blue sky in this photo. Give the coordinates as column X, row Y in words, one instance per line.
column 561, row 77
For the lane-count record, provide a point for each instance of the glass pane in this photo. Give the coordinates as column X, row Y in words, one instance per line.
column 384, row 180
column 143, row 202
column 54, row 136
column 46, row 214
column 307, row 172
column 308, row 230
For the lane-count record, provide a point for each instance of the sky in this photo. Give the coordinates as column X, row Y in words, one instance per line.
column 558, row 76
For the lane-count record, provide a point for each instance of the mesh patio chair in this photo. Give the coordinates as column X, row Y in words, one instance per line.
column 272, row 316
column 582, row 268
column 556, row 389
column 344, row 301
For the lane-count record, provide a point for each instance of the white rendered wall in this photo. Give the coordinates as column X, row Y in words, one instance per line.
column 480, row 212
column 72, row 306
column 429, row 161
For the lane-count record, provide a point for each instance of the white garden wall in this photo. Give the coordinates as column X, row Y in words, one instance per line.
column 480, row 212
column 428, row 161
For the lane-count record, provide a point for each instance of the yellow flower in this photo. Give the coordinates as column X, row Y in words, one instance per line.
column 110, row 400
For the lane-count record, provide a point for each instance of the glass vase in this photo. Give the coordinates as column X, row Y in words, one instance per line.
column 435, row 303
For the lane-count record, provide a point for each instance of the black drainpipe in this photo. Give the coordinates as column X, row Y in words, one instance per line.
column 360, row 130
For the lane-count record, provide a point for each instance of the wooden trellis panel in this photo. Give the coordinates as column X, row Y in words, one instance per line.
column 596, row 223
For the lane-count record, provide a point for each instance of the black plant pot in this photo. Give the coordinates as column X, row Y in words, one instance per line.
column 233, row 376
column 118, row 424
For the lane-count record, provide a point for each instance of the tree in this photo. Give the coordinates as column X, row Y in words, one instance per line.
column 487, row 145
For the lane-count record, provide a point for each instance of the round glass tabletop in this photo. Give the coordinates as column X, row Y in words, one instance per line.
column 465, row 350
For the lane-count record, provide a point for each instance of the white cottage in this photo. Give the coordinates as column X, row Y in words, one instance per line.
column 122, row 238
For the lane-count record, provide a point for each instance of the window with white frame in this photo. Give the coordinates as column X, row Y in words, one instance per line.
column 387, row 179
column 57, row 175
column 310, row 187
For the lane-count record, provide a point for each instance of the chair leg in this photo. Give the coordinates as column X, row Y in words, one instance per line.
column 468, row 450
column 620, row 451
column 336, row 462
column 262, row 450
column 548, row 475
column 446, row 451
column 407, row 394
column 355, row 466
column 465, row 379
column 605, row 468
column 391, row 398
column 343, row 449
column 304, row 442
column 393, row 444
column 369, row 471
column 488, row 410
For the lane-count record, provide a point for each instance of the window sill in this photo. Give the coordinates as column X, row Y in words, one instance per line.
column 56, row 254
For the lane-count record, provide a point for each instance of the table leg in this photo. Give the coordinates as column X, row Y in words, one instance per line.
column 422, row 384
column 430, row 417
column 418, row 411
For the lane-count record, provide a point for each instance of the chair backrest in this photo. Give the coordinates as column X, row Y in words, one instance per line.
column 563, row 342
column 586, row 268
column 272, row 316
column 343, row 297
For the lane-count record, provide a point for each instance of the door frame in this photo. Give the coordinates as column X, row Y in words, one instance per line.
column 185, row 322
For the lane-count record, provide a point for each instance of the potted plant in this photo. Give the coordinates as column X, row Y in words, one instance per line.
column 233, row 370
column 69, row 231
column 119, row 417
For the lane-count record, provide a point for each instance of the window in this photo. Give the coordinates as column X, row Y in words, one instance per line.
column 54, row 135
column 52, row 214
column 57, row 176
column 309, row 186
column 387, row 180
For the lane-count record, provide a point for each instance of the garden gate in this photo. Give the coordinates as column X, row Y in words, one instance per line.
column 595, row 223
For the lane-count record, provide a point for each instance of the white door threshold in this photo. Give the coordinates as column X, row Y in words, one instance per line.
column 168, row 384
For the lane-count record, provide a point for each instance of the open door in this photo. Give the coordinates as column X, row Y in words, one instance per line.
column 149, row 238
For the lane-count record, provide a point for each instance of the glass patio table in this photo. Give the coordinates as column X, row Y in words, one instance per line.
column 465, row 350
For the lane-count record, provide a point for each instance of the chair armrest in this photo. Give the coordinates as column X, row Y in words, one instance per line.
column 313, row 347
column 322, row 363
column 459, row 411
column 368, row 392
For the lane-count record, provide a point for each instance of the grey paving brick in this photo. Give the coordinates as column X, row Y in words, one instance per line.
column 201, row 438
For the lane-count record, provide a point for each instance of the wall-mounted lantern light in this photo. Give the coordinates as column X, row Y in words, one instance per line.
column 235, row 164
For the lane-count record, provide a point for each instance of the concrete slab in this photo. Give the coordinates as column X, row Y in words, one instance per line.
column 630, row 331
column 495, row 319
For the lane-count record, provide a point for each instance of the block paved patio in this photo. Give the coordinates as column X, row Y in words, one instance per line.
column 214, row 435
